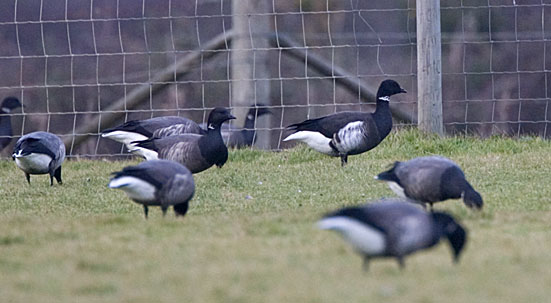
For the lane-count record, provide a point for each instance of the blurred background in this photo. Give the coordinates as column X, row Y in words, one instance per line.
column 81, row 66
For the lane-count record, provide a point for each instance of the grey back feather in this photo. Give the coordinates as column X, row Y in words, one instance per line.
column 53, row 143
column 179, row 189
column 407, row 227
column 178, row 129
column 422, row 177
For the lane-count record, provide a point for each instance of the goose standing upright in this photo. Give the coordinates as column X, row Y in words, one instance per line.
column 40, row 153
column 6, row 132
column 157, row 183
column 158, row 127
column 196, row 152
column 394, row 228
column 349, row 133
column 430, row 179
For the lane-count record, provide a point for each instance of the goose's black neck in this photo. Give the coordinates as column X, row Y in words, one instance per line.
column 5, row 124
column 212, row 146
column 383, row 117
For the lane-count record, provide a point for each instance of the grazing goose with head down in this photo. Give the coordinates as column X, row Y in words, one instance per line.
column 429, row 180
column 349, row 133
column 40, row 153
column 196, row 152
column 158, row 127
column 6, row 132
column 157, row 183
column 394, row 228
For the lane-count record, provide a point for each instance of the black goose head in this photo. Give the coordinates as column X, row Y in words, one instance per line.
column 454, row 232
column 389, row 88
column 257, row 111
column 218, row 116
column 389, row 175
column 9, row 104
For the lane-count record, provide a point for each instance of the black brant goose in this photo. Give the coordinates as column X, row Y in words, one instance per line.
column 349, row 133
column 243, row 137
column 6, row 133
column 157, row 183
column 196, row 152
column 137, row 130
column 429, row 180
column 394, row 228
column 40, row 153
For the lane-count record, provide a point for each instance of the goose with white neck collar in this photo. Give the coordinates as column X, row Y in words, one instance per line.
column 196, row 152
column 349, row 133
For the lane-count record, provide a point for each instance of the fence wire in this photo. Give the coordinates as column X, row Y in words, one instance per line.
column 70, row 61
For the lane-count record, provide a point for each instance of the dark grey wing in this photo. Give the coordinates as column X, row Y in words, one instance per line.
column 408, row 227
column 149, row 126
column 421, row 177
column 180, row 188
column 44, row 143
column 189, row 127
column 329, row 125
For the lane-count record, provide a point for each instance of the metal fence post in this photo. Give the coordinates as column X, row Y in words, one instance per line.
column 429, row 67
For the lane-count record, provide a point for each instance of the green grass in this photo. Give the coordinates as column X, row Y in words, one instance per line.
column 84, row 242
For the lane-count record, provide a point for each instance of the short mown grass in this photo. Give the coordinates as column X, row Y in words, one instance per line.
column 250, row 233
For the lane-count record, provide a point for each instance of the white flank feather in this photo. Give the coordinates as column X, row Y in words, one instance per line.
column 124, row 137
column 351, row 136
column 135, row 188
column 361, row 236
column 315, row 140
column 143, row 152
column 33, row 163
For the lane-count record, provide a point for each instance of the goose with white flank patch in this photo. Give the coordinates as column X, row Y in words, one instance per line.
column 6, row 132
column 40, row 153
column 196, row 152
column 430, row 179
column 157, row 183
column 158, row 127
column 349, row 133
column 394, row 228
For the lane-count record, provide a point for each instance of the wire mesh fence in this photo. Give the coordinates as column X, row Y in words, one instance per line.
column 72, row 63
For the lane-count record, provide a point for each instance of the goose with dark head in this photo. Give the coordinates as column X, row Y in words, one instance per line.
column 349, row 133
column 196, row 152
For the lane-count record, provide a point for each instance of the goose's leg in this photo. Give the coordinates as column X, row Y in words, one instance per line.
column 344, row 159
column 145, row 211
column 57, row 175
column 401, row 262
column 164, row 209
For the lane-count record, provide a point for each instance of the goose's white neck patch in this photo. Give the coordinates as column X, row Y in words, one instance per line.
column 6, row 110
column 211, row 126
column 250, row 117
column 361, row 236
column 385, row 98
column 397, row 189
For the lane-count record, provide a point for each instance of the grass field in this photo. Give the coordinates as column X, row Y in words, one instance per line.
column 250, row 233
